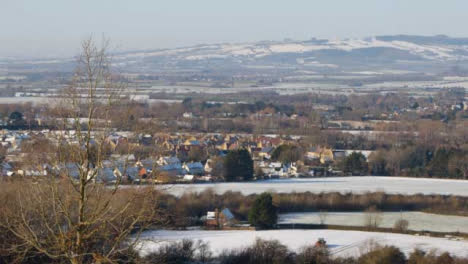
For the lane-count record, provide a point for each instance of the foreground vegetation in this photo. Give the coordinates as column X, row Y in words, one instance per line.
column 264, row 251
column 34, row 230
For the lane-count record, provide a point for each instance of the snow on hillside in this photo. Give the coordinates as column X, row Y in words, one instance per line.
column 418, row 221
column 361, row 184
column 341, row 243
column 260, row 49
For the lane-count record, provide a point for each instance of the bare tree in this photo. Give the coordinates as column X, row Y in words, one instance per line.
column 323, row 216
column 79, row 213
column 372, row 217
column 401, row 225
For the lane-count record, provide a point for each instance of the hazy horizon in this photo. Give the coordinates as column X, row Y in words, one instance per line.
column 55, row 28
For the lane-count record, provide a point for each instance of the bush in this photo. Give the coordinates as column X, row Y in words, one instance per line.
column 401, row 225
column 314, row 255
column 420, row 257
column 287, row 153
column 445, row 258
column 180, row 252
column 417, row 257
column 384, row 255
column 263, row 251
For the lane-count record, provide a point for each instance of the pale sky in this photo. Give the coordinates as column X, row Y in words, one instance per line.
column 43, row 28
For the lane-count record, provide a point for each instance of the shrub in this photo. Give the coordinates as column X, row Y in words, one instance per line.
column 287, row 153
column 184, row 251
column 263, row 251
column 401, row 225
column 384, row 255
column 417, row 257
column 313, row 255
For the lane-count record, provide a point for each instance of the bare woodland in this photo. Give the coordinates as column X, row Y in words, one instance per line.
column 77, row 214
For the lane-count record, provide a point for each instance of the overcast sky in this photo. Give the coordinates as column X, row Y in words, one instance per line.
column 55, row 27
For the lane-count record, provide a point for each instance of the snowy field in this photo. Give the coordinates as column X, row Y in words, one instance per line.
column 418, row 221
column 393, row 185
column 341, row 243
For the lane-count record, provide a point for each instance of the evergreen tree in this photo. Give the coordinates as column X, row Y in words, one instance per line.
column 16, row 116
column 238, row 165
column 385, row 255
column 438, row 167
column 263, row 213
column 355, row 164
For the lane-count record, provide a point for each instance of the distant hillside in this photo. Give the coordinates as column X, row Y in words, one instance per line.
column 404, row 53
column 426, row 40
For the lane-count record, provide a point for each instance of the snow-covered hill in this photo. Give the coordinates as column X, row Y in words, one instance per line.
column 420, row 54
column 426, row 50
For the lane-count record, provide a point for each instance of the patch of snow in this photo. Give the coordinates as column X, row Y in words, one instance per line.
column 205, row 56
column 367, row 73
column 340, row 243
column 418, row 221
column 358, row 184
column 318, row 64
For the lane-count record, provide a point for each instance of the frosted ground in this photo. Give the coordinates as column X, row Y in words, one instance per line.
column 392, row 185
column 341, row 243
column 418, row 221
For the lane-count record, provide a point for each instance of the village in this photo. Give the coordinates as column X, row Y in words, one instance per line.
column 188, row 141
column 176, row 158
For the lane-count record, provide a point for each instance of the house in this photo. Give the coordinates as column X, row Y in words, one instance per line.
column 195, row 168
column 339, row 154
column 216, row 219
column 323, row 154
column 313, row 153
column 68, row 169
column 168, row 161
column 326, row 156
column 173, row 169
column 143, row 173
column 33, row 172
column 209, row 166
column 123, row 158
column 106, row 175
column 127, row 173
column 167, row 145
column 148, row 164
column 271, row 169
column 278, row 169
column 266, row 152
column 290, row 170
column 188, row 145
column 269, row 141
